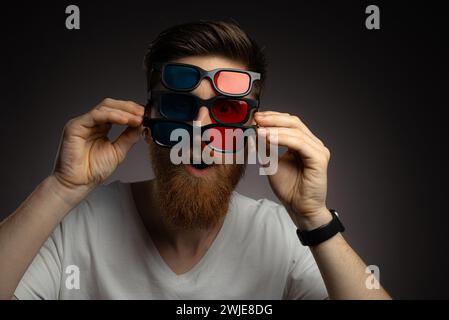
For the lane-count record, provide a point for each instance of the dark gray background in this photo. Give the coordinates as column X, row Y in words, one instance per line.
column 374, row 98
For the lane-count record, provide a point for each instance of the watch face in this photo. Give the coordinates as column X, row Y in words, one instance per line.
column 342, row 227
column 314, row 237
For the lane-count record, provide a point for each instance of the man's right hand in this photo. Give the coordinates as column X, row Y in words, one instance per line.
column 86, row 156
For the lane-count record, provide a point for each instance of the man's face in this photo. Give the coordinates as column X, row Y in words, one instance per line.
column 190, row 197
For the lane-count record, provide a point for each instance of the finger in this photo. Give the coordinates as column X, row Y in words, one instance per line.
column 293, row 132
column 125, row 141
column 273, row 113
column 276, row 119
column 131, row 116
column 286, row 120
column 90, row 123
column 128, row 106
column 308, row 153
column 101, row 116
column 96, row 132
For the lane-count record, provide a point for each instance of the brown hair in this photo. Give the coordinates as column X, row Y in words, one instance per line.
column 221, row 38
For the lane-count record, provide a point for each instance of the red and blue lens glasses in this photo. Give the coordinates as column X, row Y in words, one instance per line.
column 184, row 107
column 226, row 81
column 221, row 138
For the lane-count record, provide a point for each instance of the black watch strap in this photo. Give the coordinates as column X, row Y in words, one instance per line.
column 323, row 233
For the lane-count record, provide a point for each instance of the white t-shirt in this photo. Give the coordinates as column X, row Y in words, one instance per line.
column 104, row 244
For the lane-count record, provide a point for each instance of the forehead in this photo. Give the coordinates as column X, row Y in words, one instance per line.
column 211, row 62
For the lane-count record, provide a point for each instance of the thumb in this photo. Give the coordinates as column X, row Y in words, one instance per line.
column 125, row 141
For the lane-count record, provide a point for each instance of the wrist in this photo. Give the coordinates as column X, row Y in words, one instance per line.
column 313, row 221
column 70, row 195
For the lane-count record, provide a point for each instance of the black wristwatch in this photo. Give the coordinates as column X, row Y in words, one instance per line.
column 323, row 233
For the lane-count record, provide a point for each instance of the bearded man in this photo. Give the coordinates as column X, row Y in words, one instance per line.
column 186, row 234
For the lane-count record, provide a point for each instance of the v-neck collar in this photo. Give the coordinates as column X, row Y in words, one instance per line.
column 206, row 260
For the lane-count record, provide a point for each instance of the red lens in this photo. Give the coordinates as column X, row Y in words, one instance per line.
column 225, row 138
column 232, row 82
column 230, row 111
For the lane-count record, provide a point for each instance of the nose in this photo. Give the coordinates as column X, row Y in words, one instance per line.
column 203, row 117
column 204, row 91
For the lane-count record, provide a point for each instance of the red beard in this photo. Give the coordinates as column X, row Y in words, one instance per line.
column 190, row 202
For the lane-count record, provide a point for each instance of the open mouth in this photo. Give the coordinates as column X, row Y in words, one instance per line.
column 200, row 166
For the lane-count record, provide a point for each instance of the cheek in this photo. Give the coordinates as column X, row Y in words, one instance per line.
column 158, row 154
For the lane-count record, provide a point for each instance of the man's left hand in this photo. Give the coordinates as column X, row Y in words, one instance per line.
column 300, row 182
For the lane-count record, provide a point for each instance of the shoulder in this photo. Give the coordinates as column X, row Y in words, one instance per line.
column 103, row 204
column 261, row 211
column 112, row 191
column 267, row 232
column 263, row 218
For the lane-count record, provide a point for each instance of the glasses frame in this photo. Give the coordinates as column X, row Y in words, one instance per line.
column 253, row 76
column 150, row 123
column 253, row 105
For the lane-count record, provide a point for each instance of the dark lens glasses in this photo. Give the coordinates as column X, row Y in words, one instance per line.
column 186, row 77
column 184, row 107
column 221, row 138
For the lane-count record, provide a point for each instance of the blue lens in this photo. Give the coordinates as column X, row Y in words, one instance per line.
column 180, row 77
column 162, row 131
column 178, row 106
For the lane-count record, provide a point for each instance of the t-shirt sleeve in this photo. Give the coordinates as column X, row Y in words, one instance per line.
column 42, row 279
column 304, row 280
